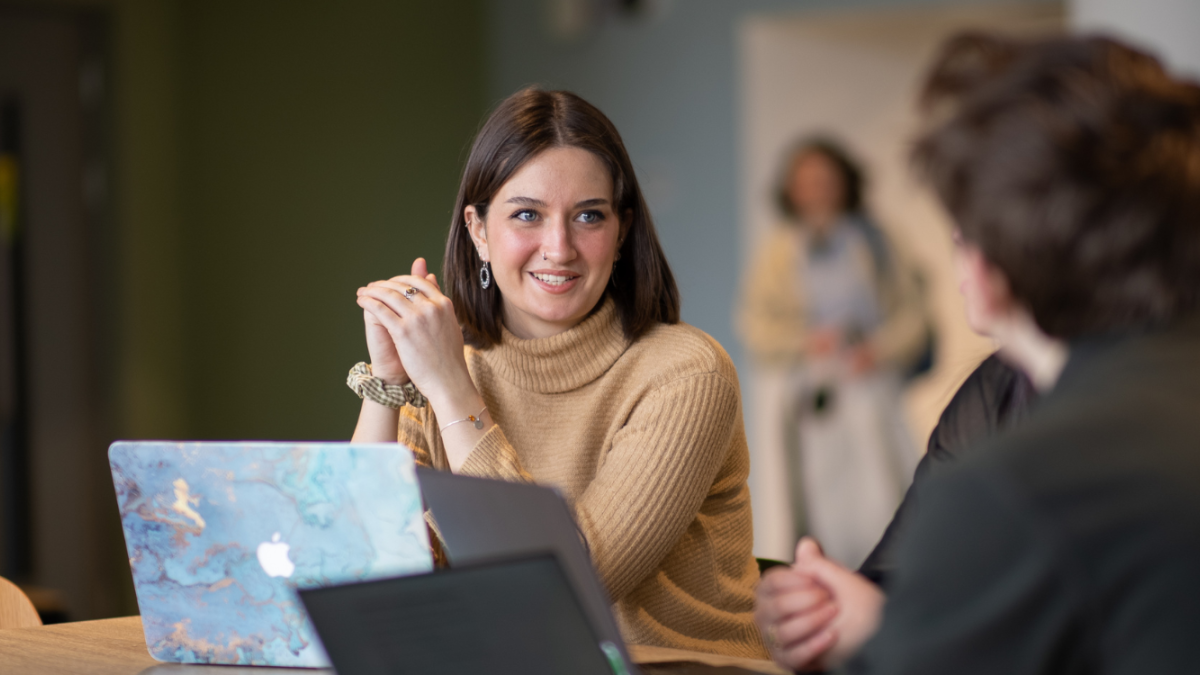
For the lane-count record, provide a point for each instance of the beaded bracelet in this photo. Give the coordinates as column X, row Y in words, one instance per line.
column 476, row 419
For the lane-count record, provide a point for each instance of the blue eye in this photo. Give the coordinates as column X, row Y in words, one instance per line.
column 591, row 217
column 525, row 215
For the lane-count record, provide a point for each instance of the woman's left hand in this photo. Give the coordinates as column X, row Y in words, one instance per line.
column 423, row 326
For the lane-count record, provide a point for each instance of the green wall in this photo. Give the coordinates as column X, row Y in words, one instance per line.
column 146, row 329
column 321, row 145
column 269, row 157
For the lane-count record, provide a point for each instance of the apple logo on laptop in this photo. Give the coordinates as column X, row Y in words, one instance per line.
column 273, row 556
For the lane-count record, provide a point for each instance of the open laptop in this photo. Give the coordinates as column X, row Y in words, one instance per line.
column 521, row 596
column 510, row 617
column 481, row 520
column 220, row 535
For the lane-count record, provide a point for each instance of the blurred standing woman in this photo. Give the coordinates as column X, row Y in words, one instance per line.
column 575, row 372
column 829, row 301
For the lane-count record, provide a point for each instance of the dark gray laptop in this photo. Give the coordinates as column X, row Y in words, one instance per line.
column 512, row 617
column 482, row 520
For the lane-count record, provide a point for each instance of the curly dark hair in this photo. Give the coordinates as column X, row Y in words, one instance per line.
column 1074, row 165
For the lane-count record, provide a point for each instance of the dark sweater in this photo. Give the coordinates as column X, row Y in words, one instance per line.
column 1069, row 544
column 992, row 398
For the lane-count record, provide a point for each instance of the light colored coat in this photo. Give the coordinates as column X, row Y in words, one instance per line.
column 771, row 319
column 837, row 475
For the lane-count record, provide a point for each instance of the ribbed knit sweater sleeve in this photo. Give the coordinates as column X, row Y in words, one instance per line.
column 492, row 457
column 495, row 457
column 413, row 431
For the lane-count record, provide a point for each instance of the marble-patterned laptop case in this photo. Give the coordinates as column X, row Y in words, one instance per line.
column 220, row 534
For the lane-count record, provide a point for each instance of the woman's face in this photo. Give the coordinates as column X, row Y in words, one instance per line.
column 816, row 189
column 551, row 236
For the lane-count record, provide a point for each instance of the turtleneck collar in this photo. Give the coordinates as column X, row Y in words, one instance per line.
column 565, row 361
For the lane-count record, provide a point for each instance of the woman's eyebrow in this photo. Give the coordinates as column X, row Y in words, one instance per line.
column 591, row 202
column 530, row 201
column 526, row 201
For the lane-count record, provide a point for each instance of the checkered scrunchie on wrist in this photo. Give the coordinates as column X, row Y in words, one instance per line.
column 364, row 383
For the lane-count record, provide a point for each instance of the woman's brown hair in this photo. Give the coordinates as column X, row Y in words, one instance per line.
column 1073, row 163
column 853, row 181
column 523, row 125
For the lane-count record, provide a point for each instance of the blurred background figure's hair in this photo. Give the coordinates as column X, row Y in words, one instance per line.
column 853, row 180
column 1074, row 164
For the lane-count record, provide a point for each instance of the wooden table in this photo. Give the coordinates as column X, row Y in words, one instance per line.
column 117, row 647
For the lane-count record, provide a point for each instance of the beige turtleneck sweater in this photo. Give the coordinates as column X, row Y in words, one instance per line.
column 647, row 443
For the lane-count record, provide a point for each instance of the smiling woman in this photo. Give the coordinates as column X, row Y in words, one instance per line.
column 552, row 241
column 556, row 356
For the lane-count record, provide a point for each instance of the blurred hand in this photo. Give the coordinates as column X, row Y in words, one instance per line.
column 859, row 602
column 861, row 359
column 816, row 614
column 824, row 341
column 795, row 615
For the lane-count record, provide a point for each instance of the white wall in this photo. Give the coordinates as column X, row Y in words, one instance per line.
column 1169, row 28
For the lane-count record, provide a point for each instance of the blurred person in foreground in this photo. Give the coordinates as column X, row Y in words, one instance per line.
column 1071, row 542
column 796, row 611
column 552, row 353
column 829, row 301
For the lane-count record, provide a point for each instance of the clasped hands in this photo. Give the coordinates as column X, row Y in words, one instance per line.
column 816, row 613
column 830, row 341
column 415, row 336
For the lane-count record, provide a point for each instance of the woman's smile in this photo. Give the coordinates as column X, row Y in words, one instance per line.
column 555, row 281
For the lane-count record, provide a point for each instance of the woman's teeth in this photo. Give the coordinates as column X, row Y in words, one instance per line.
column 552, row 279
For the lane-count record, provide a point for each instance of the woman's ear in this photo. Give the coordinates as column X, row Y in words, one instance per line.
column 478, row 229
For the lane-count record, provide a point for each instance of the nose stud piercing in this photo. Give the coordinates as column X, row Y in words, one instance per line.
column 543, row 255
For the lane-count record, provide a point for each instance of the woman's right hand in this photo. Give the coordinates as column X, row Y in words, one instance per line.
column 385, row 360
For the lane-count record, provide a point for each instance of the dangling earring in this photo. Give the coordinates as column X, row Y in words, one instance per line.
column 485, row 275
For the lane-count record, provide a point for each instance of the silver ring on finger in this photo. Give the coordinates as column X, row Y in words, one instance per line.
column 410, row 293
